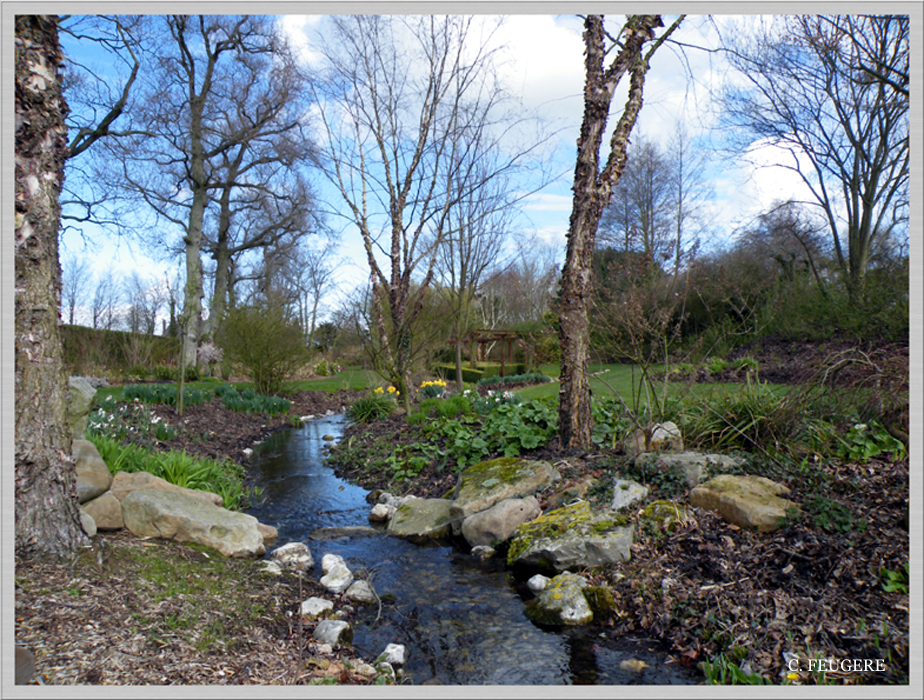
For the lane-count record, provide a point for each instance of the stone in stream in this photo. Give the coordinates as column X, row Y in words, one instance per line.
column 393, row 654
column 337, row 577
column 496, row 524
column 537, row 583
column 486, row 483
column 421, row 518
column 361, row 592
column 571, row 538
column 561, row 603
column 333, row 533
column 333, row 632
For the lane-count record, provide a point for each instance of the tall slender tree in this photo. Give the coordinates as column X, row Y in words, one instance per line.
column 593, row 187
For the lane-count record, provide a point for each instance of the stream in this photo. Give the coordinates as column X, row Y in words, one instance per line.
column 460, row 619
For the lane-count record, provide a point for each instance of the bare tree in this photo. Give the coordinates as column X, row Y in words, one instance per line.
column 75, row 280
column 107, row 297
column 193, row 117
column 833, row 93
column 404, row 92
column 641, row 213
column 47, row 516
column 593, row 188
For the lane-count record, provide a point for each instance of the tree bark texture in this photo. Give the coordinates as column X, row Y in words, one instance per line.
column 592, row 191
column 47, row 514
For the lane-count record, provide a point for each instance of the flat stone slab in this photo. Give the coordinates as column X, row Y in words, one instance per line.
column 421, row 518
column 745, row 501
column 177, row 516
column 126, row 482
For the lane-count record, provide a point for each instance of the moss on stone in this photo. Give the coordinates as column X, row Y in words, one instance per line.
column 601, row 601
column 557, row 522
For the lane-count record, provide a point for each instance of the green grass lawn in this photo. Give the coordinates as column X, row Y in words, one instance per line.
column 624, row 379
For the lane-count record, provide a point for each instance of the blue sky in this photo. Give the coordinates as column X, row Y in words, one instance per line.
column 545, row 69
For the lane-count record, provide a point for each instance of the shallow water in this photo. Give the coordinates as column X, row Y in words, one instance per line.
column 461, row 620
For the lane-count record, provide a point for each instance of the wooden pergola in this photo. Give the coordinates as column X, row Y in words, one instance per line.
column 482, row 338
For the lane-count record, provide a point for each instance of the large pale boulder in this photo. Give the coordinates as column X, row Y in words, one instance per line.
column 486, row 483
column 178, row 516
column 124, row 483
column 499, row 521
column 421, row 518
column 661, row 437
column 81, row 398
column 745, row 501
column 572, row 537
column 315, row 608
column 361, row 592
column 692, row 467
column 106, row 512
column 561, row 602
column 93, row 476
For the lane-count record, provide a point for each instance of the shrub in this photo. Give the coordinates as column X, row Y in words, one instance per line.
column 374, row 406
column 267, row 342
column 532, row 378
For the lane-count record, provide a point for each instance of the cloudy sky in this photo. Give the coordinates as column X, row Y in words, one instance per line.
column 544, row 67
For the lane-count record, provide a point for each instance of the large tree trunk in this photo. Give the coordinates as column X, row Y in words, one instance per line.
column 592, row 191
column 47, row 515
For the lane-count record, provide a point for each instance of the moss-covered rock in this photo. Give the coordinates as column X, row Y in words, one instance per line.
column 561, row 603
column 421, row 518
column 486, row 483
column 571, row 537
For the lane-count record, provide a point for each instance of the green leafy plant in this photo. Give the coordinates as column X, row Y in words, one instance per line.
column 715, row 365
column 723, row 671
column 831, row 516
column 864, row 441
column 531, row 378
column 893, row 581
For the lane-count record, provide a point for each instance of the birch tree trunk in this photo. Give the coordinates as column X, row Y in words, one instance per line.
column 47, row 514
column 592, row 189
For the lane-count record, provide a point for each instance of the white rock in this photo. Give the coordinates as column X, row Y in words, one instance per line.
column 538, row 583
column 247, row 452
column 294, row 555
column 393, row 655
column 380, row 513
column 337, row 577
column 361, row 592
column 305, row 419
column 315, row 607
column 333, row 632
column 626, row 492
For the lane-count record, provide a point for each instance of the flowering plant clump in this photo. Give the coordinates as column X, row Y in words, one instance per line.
column 432, row 389
column 209, row 353
column 391, row 391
